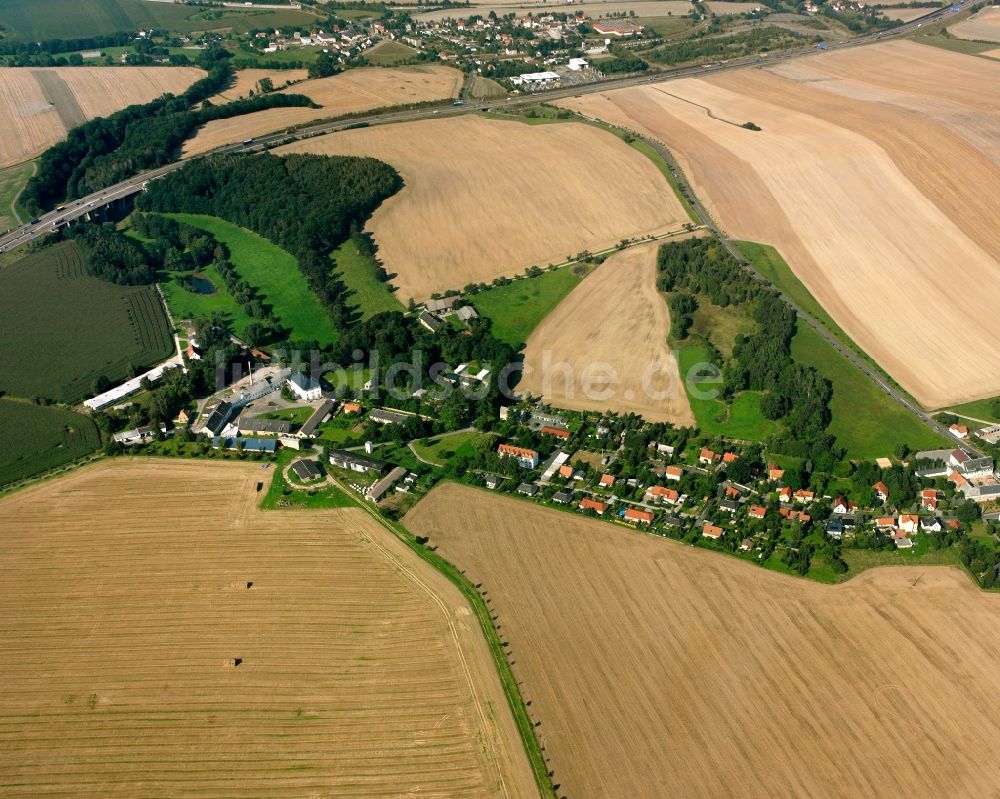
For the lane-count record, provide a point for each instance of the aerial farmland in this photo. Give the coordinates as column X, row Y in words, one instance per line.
column 588, row 191
column 656, row 670
column 163, row 645
column 814, row 184
column 503, row 400
column 38, row 106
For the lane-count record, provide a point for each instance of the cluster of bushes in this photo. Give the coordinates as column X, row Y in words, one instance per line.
column 306, row 204
column 106, row 150
column 704, row 266
column 797, row 394
column 756, row 40
column 624, row 61
column 114, row 257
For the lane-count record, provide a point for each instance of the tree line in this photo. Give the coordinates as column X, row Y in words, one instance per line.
column 796, row 394
column 756, row 40
column 108, row 149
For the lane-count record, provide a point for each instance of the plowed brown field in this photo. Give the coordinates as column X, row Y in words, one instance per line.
column 29, row 117
column 877, row 176
column 125, row 602
column 605, row 345
column 346, row 93
column 656, row 670
column 485, row 198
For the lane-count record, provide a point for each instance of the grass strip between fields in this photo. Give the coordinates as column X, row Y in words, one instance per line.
column 507, row 680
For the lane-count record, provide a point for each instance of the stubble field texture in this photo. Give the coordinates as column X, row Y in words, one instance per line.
column 462, row 216
column 248, row 80
column 877, row 177
column 126, row 602
column 657, row 670
column 983, row 26
column 39, row 106
column 614, row 318
column 347, row 93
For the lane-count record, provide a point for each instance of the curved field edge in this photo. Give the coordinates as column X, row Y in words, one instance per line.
column 515, row 701
column 40, row 439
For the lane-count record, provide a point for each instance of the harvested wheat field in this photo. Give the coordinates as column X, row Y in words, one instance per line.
column 983, row 26
column 605, row 345
column 485, row 198
column 39, row 106
column 349, row 92
column 873, row 202
column 658, row 670
column 127, row 600
column 247, row 80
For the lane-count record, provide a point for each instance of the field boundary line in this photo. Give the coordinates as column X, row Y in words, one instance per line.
column 509, row 684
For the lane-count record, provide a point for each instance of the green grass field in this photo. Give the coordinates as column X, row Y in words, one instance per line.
column 439, row 451
column 721, row 326
column 283, row 495
column 979, row 409
column 60, row 328
column 516, row 308
column 31, row 20
column 186, row 304
column 37, row 438
column 963, row 46
column 867, row 423
column 666, row 26
column 742, row 420
column 370, row 294
column 12, row 180
column 275, row 274
column 387, row 53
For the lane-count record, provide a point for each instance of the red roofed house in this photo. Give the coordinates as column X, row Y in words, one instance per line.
column 351, row 407
column 566, row 471
column 900, row 539
column 757, row 512
column 908, row 523
column 785, row 494
column 607, row 480
column 732, row 492
column 774, row 473
column 711, row 531
column 730, row 457
column 636, row 516
column 803, row 495
column 592, row 504
column 794, row 515
column 663, row 494
column 881, row 491
column 707, row 457
column 929, row 499
column 526, row 458
column 886, row 523
column 674, row 472
column 959, row 430
column 841, row 505
column 555, row 432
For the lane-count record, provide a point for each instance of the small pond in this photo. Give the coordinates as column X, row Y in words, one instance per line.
column 199, row 284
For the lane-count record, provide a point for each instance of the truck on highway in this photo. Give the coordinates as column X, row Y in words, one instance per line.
column 458, row 102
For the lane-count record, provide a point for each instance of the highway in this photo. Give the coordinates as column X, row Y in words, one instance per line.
column 77, row 208
column 74, row 209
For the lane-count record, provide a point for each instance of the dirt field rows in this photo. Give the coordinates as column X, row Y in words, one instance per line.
column 657, row 670
column 983, row 26
column 348, row 92
column 247, row 79
column 485, row 198
column 840, row 136
column 33, row 102
column 615, row 318
column 125, row 604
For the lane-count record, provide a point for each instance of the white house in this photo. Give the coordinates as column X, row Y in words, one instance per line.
column 908, row 523
column 930, row 525
column 304, row 387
